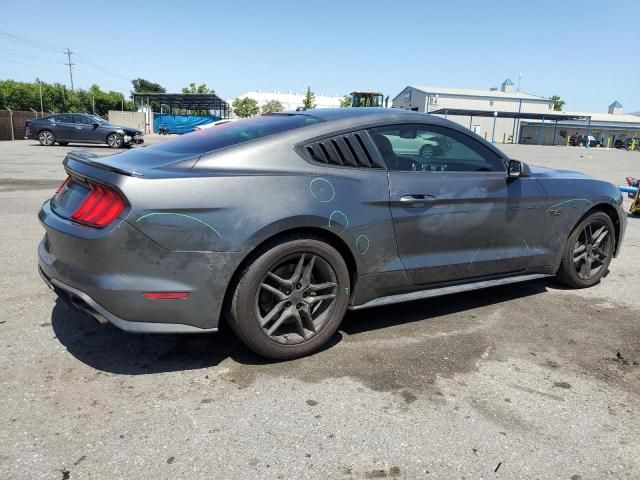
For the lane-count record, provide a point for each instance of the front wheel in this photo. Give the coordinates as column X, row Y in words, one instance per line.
column 291, row 299
column 588, row 252
column 115, row 140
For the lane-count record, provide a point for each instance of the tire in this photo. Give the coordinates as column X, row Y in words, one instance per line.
column 427, row 151
column 586, row 259
column 276, row 308
column 115, row 140
column 46, row 138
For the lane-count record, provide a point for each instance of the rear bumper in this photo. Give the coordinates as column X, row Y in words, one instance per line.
column 106, row 272
column 88, row 305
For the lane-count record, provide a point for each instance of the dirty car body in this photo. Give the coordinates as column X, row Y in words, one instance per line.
column 410, row 219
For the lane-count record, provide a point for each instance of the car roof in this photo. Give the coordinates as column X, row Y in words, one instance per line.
column 67, row 113
column 329, row 114
column 363, row 117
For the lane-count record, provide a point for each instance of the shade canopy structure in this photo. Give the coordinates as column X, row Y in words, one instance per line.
column 501, row 114
column 553, row 117
column 187, row 101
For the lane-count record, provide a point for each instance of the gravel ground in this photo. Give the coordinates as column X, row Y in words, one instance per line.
column 522, row 381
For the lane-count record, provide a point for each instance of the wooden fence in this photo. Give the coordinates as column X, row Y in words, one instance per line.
column 12, row 123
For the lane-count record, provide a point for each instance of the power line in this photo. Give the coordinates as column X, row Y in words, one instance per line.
column 106, row 70
column 32, row 43
column 23, row 56
column 39, row 67
column 69, row 53
column 27, row 41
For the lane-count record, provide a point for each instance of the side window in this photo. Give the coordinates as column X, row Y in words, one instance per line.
column 431, row 148
column 64, row 118
column 83, row 119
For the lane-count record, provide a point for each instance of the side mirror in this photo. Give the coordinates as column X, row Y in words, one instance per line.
column 514, row 169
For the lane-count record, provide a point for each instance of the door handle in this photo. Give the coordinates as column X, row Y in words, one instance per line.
column 416, row 200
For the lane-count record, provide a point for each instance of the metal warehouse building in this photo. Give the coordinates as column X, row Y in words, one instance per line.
column 505, row 116
column 604, row 127
column 442, row 101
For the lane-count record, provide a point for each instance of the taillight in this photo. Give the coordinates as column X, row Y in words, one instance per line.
column 100, row 207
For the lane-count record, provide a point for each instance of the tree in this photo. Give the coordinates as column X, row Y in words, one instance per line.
column 245, row 107
column 142, row 85
column 272, row 106
column 558, row 103
column 346, row 101
column 309, row 99
column 199, row 89
column 58, row 98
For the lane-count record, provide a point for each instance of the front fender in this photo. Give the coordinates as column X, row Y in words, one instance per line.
column 569, row 200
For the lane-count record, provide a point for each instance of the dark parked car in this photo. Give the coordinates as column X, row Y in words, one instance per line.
column 65, row 128
column 626, row 143
column 278, row 223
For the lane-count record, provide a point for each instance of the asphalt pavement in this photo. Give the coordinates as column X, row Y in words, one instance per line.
column 520, row 381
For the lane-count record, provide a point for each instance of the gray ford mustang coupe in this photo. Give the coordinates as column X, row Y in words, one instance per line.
column 278, row 223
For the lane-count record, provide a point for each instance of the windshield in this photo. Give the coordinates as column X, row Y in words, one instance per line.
column 97, row 119
column 207, row 140
column 366, row 99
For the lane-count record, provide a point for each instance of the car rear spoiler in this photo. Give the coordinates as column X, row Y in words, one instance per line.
column 94, row 160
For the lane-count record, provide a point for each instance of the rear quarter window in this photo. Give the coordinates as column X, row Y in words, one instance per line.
column 64, row 118
column 233, row 133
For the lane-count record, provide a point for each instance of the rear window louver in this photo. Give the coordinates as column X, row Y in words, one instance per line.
column 348, row 150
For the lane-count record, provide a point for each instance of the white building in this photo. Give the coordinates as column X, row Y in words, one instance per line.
column 436, row 99
column 291, row 100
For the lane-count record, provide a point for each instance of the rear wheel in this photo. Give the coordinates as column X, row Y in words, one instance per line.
column 46, row 138
column 115, row 140
column 588, row 252
column 291, row 299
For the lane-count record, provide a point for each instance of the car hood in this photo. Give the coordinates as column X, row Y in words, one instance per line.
column 544, row 172
column 122, row 127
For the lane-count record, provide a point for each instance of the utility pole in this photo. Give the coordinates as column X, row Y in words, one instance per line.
column 69, row 53
column 41, row 104
column 519, row 80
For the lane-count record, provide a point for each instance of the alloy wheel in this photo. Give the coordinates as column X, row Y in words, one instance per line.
column 296, row 298
column 46, row 138
column 114, row 140
column 592, row 250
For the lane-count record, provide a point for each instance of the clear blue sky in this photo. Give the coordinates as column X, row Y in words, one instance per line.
column 587, row 52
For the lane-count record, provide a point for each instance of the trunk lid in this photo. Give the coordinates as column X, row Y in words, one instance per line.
column 135, row 162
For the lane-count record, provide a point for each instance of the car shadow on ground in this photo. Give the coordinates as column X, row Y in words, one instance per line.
column 106, row 348
column 87, row 146
column 74, row 146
